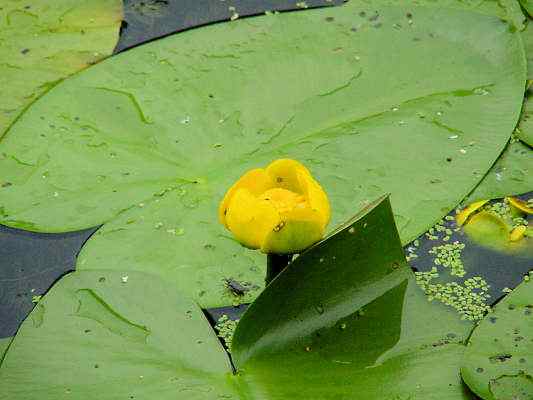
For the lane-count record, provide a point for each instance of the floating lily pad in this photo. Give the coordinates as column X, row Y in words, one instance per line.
column 113, row 334
column 527, row 38
column 525, row 127
column 45, row 41
column 528, row 6
column 498, row 359
column 517, row 387
column 166, row 119
column 353, row 323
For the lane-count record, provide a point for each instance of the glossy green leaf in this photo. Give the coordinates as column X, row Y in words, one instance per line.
column 498, row 360
column 114, row 335
column 167, row 117
column 344, row 319
column 45, row 41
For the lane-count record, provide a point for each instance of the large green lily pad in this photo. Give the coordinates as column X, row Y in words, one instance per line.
column 167, row 117
column 510, row 175
column 352, row 317
column 497, row 363
column 527, row 38
column 95, row 336
column 45, row 41
column 525, row 127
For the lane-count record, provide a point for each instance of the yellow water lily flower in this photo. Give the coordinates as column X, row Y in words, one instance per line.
column 280, row 209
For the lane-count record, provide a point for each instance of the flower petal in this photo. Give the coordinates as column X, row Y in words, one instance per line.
column 250, row 219
column 284, row 174
column 315, row 196
column 296, row 231
column 256, row 181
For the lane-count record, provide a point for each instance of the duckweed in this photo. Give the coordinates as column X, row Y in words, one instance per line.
column 449, row 256
column 225, row 328
column 468, row 299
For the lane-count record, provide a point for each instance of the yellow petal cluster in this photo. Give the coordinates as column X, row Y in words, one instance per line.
column 280, row 209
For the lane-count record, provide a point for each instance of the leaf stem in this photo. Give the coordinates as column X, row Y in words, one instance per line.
column 275, row 264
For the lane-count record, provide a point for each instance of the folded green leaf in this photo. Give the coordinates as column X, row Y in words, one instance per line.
column 344, row 319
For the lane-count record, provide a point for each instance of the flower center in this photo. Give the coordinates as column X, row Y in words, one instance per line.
column 283, row 200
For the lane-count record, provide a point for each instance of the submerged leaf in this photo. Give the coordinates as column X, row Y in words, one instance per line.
column 488, row 228
column 525, row 127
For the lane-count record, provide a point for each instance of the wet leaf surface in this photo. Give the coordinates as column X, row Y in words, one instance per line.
column 44, row 42
column 181, row 132
column 353, row 317
column 470, row 273
column 525, row 127
column 510, row 175
column 497, row 363
column 127, row 332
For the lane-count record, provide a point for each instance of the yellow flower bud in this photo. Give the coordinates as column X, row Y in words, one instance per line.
column 280, row 209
